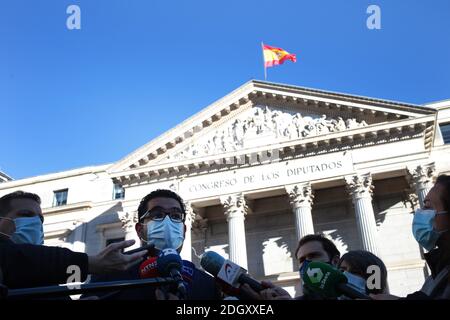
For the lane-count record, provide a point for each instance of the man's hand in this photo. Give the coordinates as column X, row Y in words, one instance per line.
column 271, row 293
column 111, row 260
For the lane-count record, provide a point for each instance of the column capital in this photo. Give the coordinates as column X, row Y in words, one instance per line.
column 234, row 205
column 411, row 199
column 190, row 214
column 422, row 175
column 300, row 195
column 360, row 185
column 128, row 219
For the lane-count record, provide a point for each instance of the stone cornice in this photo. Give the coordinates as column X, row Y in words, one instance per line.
column 79, row 206
column 423, row 126
column 254, row 91
column 289, row 89
column 54, row 176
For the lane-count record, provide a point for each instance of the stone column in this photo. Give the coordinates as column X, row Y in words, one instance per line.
column 422, row 180
column 199, row 228
column 361, row 189
column 235, row 209
column 79, row 241
column 301, row 198
column 186, row 252
column 129, row 219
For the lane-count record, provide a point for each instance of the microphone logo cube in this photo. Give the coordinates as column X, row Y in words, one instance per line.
column 315, row 275
column 230, row 272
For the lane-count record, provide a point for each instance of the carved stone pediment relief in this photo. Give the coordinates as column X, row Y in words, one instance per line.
column 262, row 125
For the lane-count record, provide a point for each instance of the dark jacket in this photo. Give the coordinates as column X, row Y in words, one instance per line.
column 436, row 286
column 26, row 265
column 202, row 287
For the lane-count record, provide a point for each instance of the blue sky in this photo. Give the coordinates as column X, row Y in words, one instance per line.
column 73, row 98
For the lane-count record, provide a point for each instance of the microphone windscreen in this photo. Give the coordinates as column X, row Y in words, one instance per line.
column 168, row 260
column 212, row 262
column 322, row 278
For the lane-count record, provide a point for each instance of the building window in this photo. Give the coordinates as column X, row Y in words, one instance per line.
column 119, row 192
column 445, row 130
column 60, row 197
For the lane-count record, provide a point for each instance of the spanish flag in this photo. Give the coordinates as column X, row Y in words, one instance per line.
column 275, row 56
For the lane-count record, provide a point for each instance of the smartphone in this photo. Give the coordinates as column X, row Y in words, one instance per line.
column 148, row 247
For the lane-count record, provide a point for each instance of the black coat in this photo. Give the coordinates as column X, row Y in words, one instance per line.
column 26, row 265
column 436, row 286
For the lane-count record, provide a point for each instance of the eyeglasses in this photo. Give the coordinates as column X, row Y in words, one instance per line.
column 158, row 214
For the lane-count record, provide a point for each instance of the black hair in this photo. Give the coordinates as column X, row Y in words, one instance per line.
column 359, row 261
column 327, row 244
column 160, row 193
column 444, row 180
column 5, row 201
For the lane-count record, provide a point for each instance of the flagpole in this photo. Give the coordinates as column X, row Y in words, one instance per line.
column 264, row 62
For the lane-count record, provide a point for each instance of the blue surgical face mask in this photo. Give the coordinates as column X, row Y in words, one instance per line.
column 356, row 282
column 29, row 230
column 423, row 230
column 165, row 234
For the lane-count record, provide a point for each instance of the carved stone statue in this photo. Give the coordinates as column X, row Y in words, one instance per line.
column 351, row 123
column 238, row 131
column 258, row 120
column 272, row 124
column 340, row 124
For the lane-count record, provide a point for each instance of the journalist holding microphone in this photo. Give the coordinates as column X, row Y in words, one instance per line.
column 325, row 276
column 26, row 262
column 161, row 222
column 312, row 247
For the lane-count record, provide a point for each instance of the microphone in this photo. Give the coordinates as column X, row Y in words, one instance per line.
column 227, row 271
column 327, row 281
column 149, row 247
column 148, row 268
column 169, row 263
column 187, row 272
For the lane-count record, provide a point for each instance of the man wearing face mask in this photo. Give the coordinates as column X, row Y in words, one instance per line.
column 26, row 262
column 22, row 221
column 161, row 217
column 431, row 229
column 312, row 247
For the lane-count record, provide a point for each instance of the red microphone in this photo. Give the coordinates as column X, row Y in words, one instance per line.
column 148, row 268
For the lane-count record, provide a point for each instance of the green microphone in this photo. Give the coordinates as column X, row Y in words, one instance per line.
column 327, row 281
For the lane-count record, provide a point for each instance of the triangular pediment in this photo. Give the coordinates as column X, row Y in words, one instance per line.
column 260, row 114
column 262, row 125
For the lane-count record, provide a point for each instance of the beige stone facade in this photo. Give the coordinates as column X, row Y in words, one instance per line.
column 262, row 167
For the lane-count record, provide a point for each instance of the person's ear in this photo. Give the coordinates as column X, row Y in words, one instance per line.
column 139, row 227
column 184, row 232
column 335, row 261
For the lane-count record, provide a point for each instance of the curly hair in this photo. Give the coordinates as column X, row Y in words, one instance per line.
column 159, row 193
